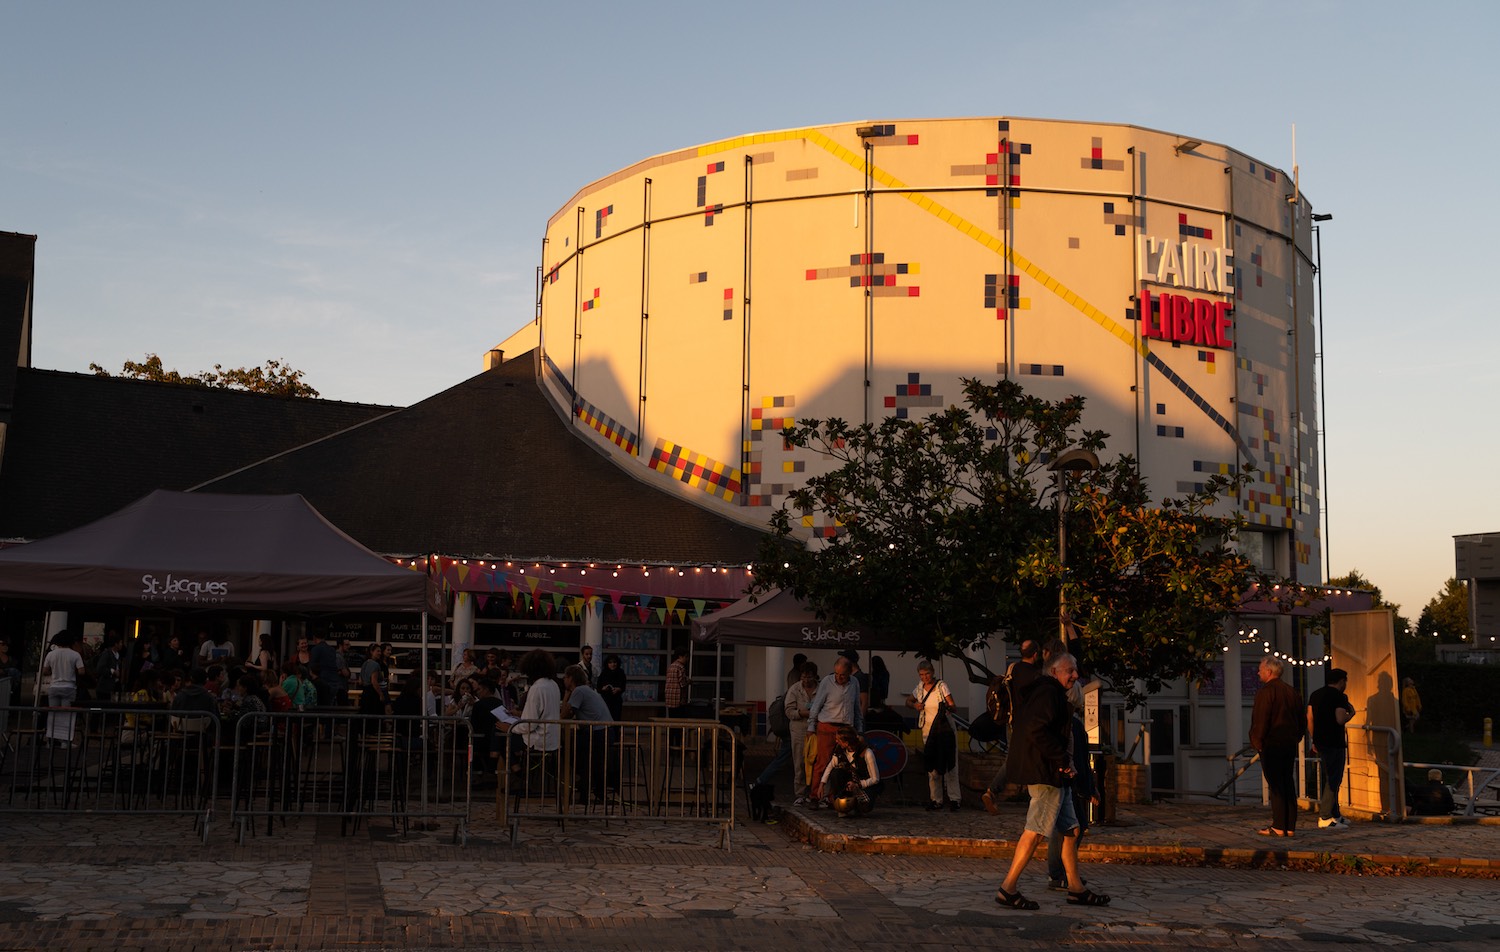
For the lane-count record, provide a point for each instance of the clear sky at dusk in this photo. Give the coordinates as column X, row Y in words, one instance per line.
column 361, row 188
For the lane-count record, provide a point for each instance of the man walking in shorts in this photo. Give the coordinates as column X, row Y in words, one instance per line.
column 1039, row 758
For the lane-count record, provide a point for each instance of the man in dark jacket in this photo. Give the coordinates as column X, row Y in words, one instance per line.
column 1276, row 728
column 1039, row 758
column 194, row 704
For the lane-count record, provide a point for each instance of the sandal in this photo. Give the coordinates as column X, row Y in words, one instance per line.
column 1017, row 901
column 1272, row 831
column 1087, row 898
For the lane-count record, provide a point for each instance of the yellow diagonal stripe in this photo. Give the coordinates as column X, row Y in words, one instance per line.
column 946, row 215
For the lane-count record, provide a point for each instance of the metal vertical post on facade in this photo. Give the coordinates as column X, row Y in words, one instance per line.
column 577, row 314
column 1234, row 381
column 541, row 329
column 640, row 387
column 865, row 135
column 1007, row 263
column 745, row 353
column 1138, row 280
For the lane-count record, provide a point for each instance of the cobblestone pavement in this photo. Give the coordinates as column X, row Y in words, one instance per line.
column 124, row 883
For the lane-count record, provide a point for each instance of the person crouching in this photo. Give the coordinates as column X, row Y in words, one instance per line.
column 851, row 779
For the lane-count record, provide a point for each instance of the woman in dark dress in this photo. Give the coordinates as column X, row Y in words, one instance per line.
column 612, row 685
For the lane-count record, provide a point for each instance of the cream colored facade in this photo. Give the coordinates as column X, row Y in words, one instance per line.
column 692, row 304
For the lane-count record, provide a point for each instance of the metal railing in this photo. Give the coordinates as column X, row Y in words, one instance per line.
column 352, row 766
column 1489, row 779
column 145, row 758
column 103, row 760
column 675, row 770
column 1391, row 766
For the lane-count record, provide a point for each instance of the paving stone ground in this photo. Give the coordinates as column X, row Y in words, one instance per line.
column 900, row 877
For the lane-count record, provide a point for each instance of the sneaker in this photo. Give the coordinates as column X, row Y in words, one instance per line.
column 991, row 805
column 1057, row 885
column 1336, row 822
column 953, row 805
column 800, row 802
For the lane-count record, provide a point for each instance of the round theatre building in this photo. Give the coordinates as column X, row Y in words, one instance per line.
column 693, row 304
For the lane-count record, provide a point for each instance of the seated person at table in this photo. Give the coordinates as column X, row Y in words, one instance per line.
column 543, row 704
column 251, row 699
column 592, row 741
column 148, row 691
column 193, row 702
column 851, row 774
column 484, row 730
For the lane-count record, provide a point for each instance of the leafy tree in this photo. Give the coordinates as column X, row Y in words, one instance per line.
column 946, row 532
column 1445, row 618
column 1148, row 586
column 275, row 378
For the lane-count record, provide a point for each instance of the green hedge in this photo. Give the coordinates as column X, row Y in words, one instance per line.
column 1456, row 698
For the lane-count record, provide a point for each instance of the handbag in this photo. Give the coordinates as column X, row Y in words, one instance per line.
column 940, row 722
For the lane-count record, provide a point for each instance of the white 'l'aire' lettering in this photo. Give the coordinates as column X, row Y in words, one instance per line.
column 1187, row 264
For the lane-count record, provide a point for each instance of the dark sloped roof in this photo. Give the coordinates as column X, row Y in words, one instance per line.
column 81, row 446
column 17, row 270
column 488, row 468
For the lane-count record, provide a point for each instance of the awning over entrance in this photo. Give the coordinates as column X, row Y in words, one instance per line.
column 779, row 619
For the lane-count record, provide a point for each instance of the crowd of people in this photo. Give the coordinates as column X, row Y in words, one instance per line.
column 822, row 720
column 1037, row 703
column 506, row 704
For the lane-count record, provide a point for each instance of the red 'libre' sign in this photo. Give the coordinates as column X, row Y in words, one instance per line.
column 1185, row 320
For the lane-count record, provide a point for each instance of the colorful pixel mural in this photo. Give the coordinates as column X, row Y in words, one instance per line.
column 869, row 267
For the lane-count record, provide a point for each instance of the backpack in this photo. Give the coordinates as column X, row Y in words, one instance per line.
column 777, row 722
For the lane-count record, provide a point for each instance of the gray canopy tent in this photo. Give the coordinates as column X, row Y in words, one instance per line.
column 185, row 553
column 778, row 619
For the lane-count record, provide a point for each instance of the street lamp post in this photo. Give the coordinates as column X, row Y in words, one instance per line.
column 1073, row 461
column 1317, row 231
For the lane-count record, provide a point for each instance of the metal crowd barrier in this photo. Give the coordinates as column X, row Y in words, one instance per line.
column 96, row 759
column 674, row 770
column 352, row 766
column 147, row 759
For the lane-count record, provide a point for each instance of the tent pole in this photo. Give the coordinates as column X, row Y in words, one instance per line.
column 422, row 698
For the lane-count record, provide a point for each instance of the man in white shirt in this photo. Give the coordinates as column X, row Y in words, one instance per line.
column 60, row 669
